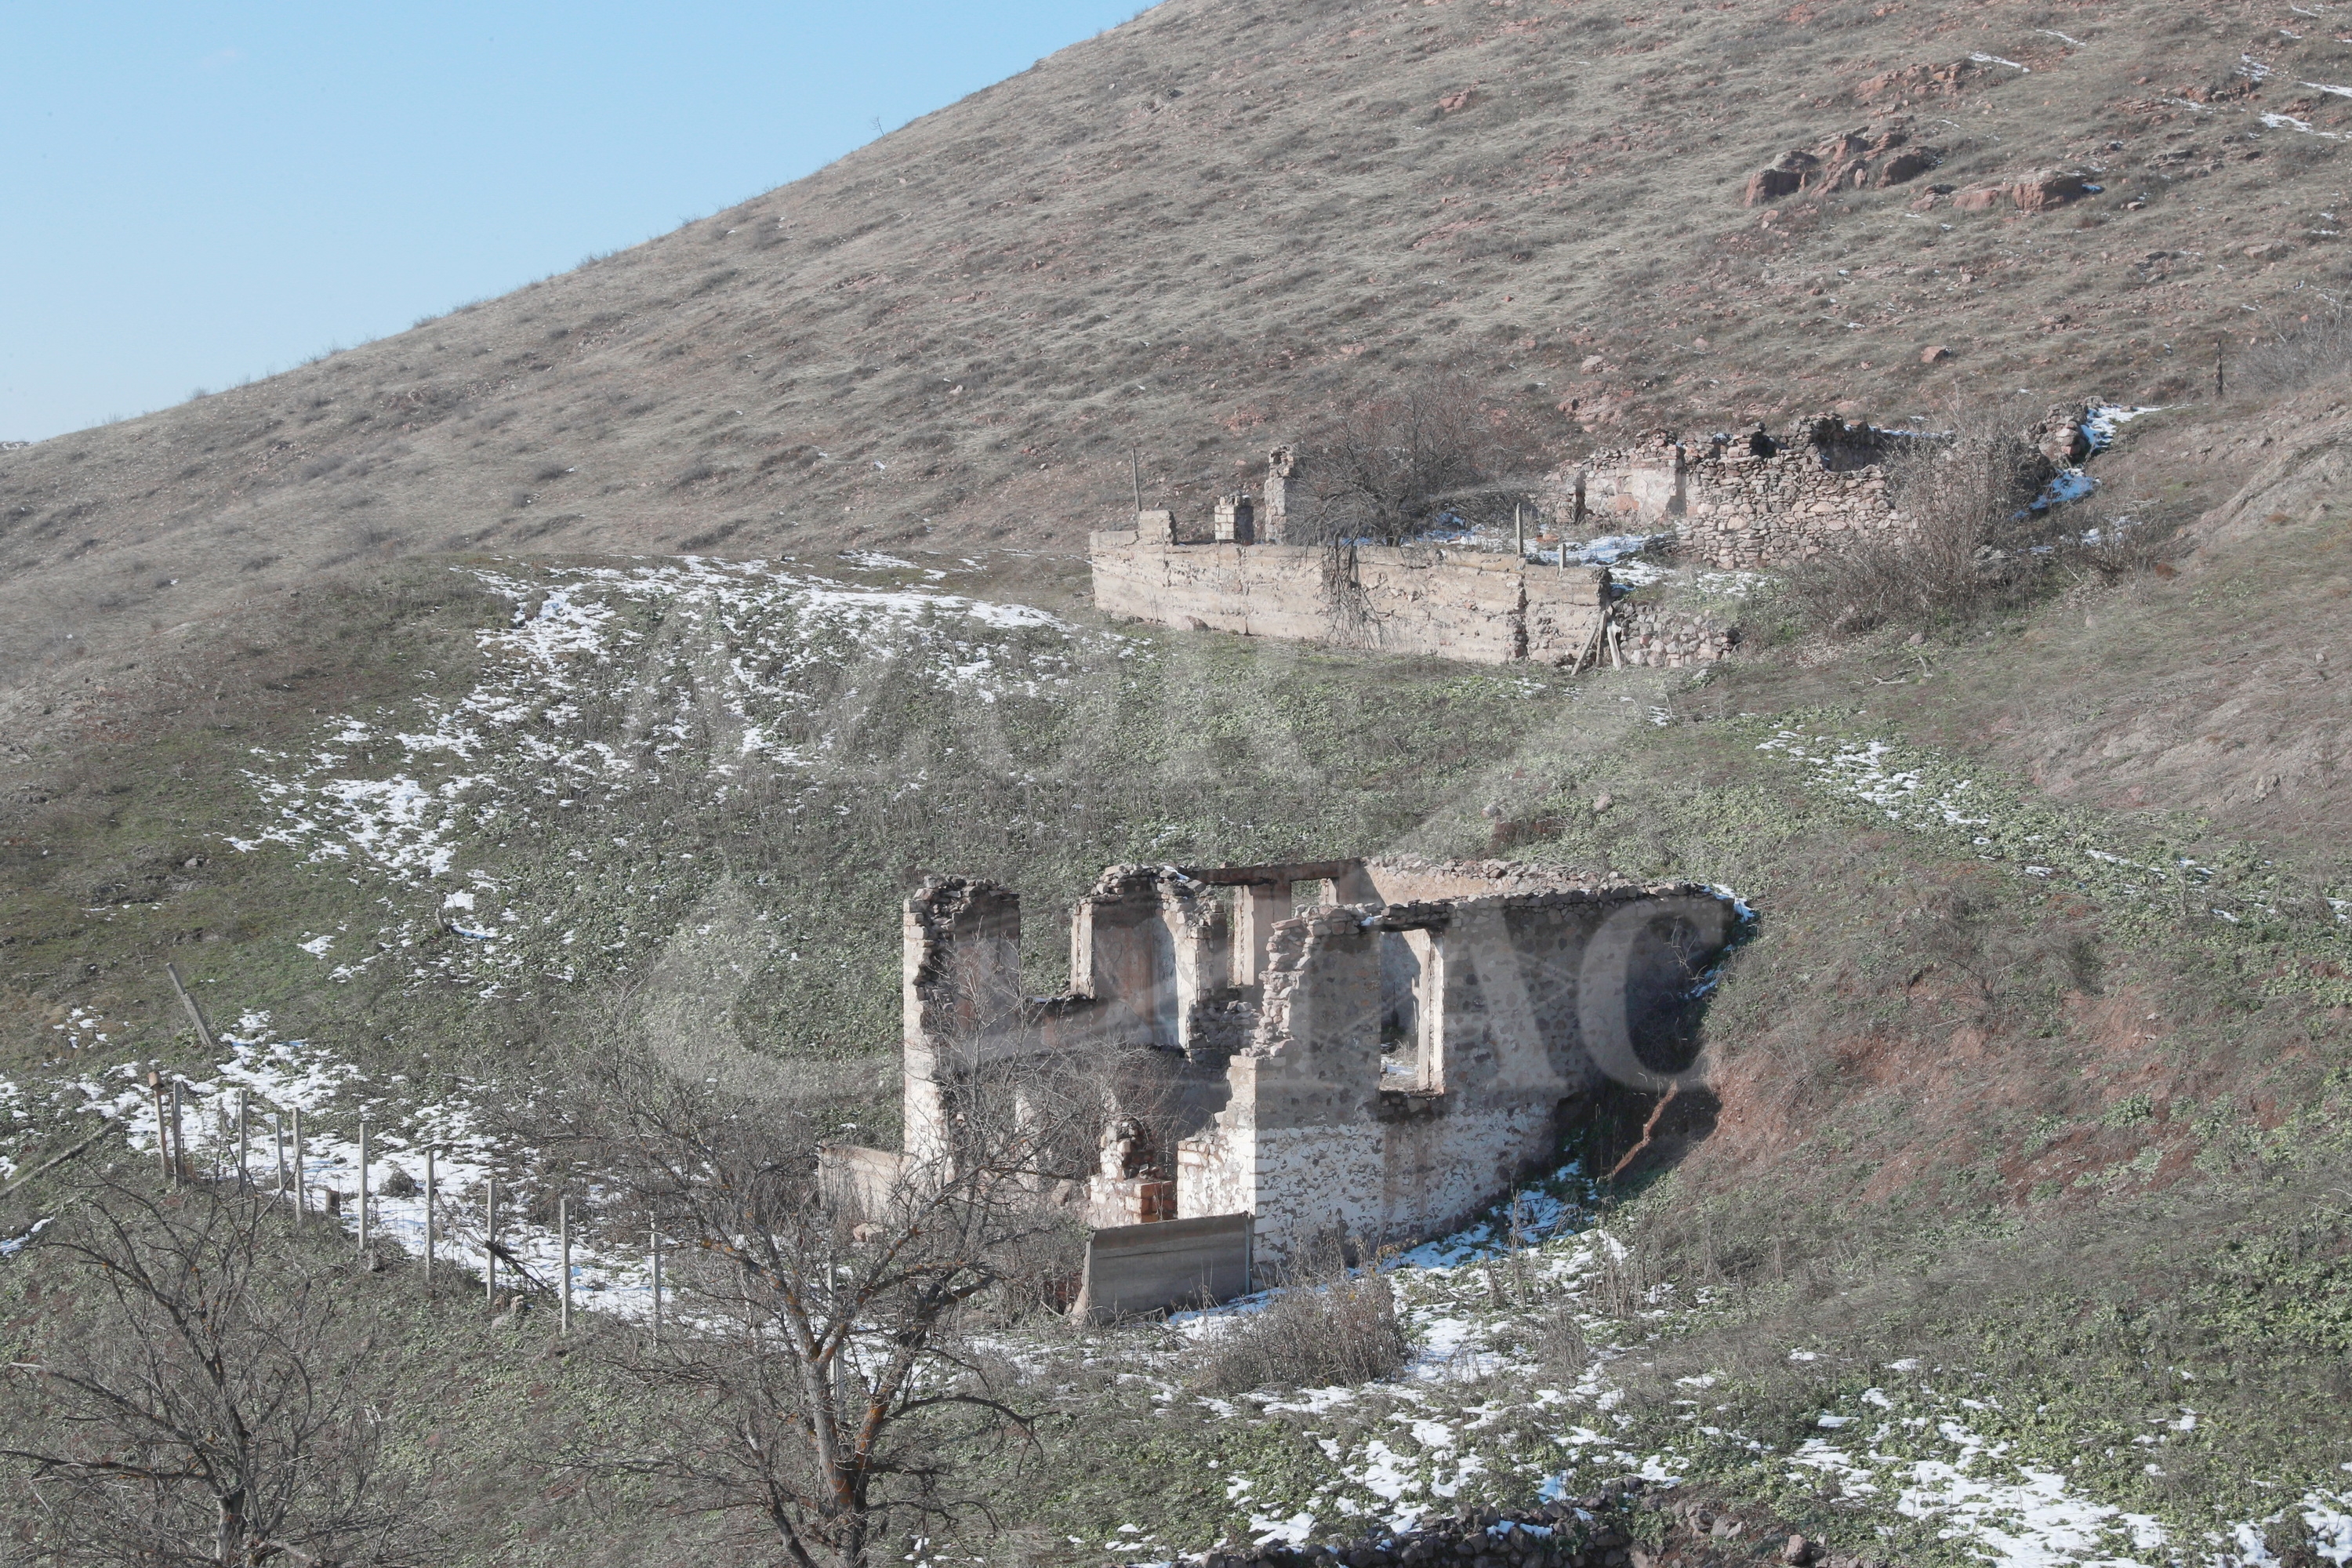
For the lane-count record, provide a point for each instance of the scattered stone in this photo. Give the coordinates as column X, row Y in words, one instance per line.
column 1915, row 82
column 1851, row 160
column 2061, row 437
column 1602, row 802
column 1798, row 1552
column 1980, row 198
column 1935, row 355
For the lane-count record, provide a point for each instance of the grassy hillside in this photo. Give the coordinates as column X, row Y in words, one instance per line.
column 1196, row 233
column 350, row 694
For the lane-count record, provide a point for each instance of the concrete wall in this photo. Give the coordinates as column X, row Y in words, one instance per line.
column 860, row 1181
column 1473, row 605
column 1171, row 1264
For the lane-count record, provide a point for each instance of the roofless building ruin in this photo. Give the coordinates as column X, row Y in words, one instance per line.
column 1369, row 1049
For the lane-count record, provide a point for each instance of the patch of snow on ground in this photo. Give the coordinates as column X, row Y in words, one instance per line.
column 275, row 1079
column 715, row 664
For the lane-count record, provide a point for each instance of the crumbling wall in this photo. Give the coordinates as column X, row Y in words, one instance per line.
column 1468, row 604
column 1732, row 508
column 1662, row 635
column 960, row 998
column 1373, row 1049
column 1516, row 1022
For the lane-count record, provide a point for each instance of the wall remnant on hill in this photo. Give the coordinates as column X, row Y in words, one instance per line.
column 1452, row 603
column 1370, row 1050
column 1730, row 506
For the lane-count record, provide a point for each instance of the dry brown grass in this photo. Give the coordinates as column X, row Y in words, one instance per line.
column 1213, row 228
column 1320, row 1329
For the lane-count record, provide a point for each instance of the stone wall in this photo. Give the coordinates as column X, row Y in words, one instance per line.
column 1730, row 507
column 1367, row 1049
column 1412, row 1061
column 1662, row 636
column 1474, row 606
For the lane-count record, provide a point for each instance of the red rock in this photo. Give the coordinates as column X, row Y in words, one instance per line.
column 1907, row 165
column 1935, row 355
column 2040, row 192
column 1980, row 198
column 1771, row 185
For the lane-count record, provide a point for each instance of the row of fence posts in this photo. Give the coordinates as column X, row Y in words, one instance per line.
column 172, row 1152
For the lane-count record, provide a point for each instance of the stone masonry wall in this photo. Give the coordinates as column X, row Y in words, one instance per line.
column 1468, row 604
column 1379, row 1066
column 1663, row 637
column 1732, row 510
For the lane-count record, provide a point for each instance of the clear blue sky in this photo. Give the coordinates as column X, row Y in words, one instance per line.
column 193, row 193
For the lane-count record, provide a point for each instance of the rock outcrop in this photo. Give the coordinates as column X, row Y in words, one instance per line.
column 1872, row 157
column 2044, row 190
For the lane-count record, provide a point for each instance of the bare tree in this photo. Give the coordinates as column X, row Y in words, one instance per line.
column 200, row 1404
column 824, row 1377
column 1429, row 455
column 1401, row 462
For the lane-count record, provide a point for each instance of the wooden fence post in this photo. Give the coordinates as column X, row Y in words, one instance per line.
column 195, row 1014
column 179, row 1146
column 278, row 1148
column 244, row 1140
column 490, row 1241
column 301, row 1176
column 653, row 1234
column 163, row 1127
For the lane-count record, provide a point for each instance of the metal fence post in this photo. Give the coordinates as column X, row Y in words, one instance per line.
column 429, row 1219
column 363, row 1185
column 563, row 1241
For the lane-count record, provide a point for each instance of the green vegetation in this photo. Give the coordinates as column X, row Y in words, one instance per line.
column 2042, row 1098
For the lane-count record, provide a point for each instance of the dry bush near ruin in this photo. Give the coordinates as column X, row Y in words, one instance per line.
column 201, row 1402
column 2318, row 349
column 1326, row 1329
column 828, row 1382
column 1965, row 544
column 1423, row 455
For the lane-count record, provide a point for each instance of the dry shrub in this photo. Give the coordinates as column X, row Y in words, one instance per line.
column 1342, row 1330
column 1431, row 455
column 1559, row 1344
column 2318, row 350
column 1413, row 458
column 1966, row 544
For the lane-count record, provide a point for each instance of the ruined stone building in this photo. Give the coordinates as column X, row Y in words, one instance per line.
column 1371, row 1049
column 1728, row 505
